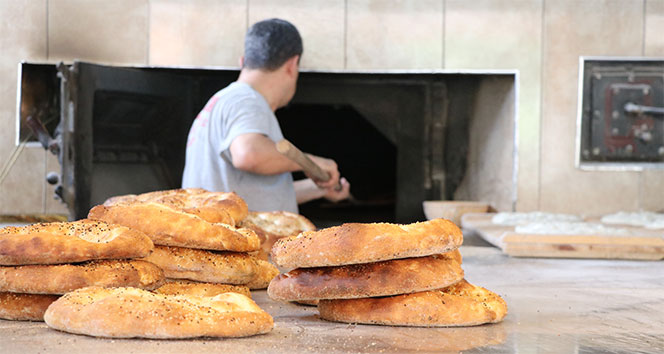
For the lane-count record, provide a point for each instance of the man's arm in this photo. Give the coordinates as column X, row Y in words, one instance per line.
column 306, row 190
column 253, row 152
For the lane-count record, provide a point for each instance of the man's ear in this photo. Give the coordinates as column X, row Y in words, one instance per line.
column 292, row 65
column 241, row 61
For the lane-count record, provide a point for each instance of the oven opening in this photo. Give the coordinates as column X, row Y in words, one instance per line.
column 363, row 154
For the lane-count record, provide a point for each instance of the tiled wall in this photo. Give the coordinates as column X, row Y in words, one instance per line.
column 542, row 39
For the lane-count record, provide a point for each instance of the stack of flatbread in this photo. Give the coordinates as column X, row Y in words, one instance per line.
column 197, row 243
column 404, row 275
column 40, row 262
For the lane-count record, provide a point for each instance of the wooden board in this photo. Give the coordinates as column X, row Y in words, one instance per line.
column 583, row 246
column 481, row 224
column 649, row 245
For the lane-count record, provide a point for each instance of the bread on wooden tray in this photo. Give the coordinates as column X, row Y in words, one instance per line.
column 365, row 243
column 461, row 304
column 24, row 307
column 131, row 312
column 66, row 242
column 399, row 276
column 187, row 287
column 62, row 278
column 172, row 227
column 205, row 266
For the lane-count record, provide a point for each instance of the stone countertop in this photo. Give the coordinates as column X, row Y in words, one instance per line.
column 555, row 306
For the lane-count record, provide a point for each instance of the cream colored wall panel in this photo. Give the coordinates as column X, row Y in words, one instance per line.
column 23, row 188
column 197, row 32
column 504, row 34
column 22, row 37
column 572, row 29
column 320, row 23
column 98, row 30
column 51, row 205
column 654, row 36
column 394, row 34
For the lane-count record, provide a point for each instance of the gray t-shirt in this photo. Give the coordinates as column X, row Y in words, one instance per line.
column 237, row 109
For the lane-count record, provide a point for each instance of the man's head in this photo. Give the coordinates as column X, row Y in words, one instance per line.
column 270, row 43
column 274, row 47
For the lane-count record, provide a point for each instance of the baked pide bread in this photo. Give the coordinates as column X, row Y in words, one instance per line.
column 461, row 304
column 398, row 276
column 171, row 227
column 265, row 272
column 205, row 266
column 210, row 206
column 63, row 278
column 24, row 307
column 273, row 225
column 131, row 312
column 66, row 242
column 186, row 287
column 366, row 243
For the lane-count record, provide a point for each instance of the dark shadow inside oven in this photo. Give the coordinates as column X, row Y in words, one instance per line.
column 365, row 157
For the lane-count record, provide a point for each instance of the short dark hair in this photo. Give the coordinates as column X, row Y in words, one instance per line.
column 270, row 43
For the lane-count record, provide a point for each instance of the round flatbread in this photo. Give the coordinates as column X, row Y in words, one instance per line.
column 24, row 307
column 63, row 278
column 461, row 304
column 131, row 312
column 187, row 287
column 168, row 226
column 205, row 266
column 273, row 225
column 366, row 243
column 398, row 276
column 67, row 242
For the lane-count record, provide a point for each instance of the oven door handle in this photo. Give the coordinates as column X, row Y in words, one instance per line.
column 640, row 109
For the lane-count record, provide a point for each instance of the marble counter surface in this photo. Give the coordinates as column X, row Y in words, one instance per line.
column 555, row 306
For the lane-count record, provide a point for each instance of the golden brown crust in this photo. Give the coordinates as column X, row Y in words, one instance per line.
column 265, row 272
column 131, row 312
column 24, row 307
column 398, row 276
column 461, row 304
column 205, row 266
column 63, row 278
column 366, row 243
column 210, row 206
column 170, row 227
column 66, row 242
column 187, row 287
column 273, row 225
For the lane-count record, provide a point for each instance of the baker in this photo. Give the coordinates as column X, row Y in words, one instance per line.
column 231, row 144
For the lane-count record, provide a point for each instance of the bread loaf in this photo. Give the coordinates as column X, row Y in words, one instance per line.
column 366, row 243
column 24, row 307
column 131, row 312
column 170, row 227
column 62, row 278
column 66, row 242
column 265, row 272
column 461, row 304
column 399, row 276
column 186, row 287
column 205, row 266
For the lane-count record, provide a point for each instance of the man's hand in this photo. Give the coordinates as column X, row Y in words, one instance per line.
column 329, row 166
column 334, row 195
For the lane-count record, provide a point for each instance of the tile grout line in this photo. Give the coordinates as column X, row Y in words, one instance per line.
column 345, row 34
column 541, row 108
column 442, row 59
column 147, row 47
column 47, row 53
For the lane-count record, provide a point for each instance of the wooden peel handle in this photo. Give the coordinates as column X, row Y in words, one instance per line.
column 309, row 167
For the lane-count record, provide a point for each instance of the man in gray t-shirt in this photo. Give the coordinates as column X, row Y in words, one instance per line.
column 231, row 144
